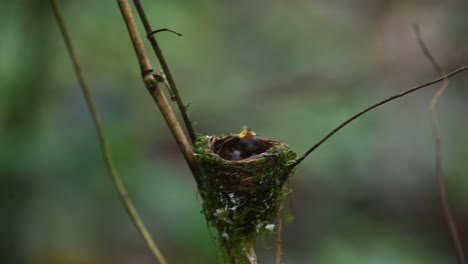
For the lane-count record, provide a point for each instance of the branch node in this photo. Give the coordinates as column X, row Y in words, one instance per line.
column 159, row 77
column 146, row 72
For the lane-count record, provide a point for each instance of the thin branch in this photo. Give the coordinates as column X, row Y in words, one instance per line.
column 102, row 141
column 153, row 88
column 391, row 98
column 150, row 34
column 438, row 150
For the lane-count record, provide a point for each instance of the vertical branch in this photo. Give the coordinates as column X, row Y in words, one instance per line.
column 438, row 150
column 279, row 240
column 154, row 43
column 153, row 87
column 131, row 210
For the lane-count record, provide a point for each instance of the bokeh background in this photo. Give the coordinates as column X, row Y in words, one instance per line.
column 291, row 70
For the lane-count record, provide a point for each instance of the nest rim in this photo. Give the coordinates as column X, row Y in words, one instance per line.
column 220, row 145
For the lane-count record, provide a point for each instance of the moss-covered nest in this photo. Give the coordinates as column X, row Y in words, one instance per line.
column 241, row 198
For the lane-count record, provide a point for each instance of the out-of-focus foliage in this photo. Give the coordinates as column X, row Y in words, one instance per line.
column 291, row 70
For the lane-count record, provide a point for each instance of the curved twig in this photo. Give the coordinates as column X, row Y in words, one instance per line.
column 391, row 98
column 102, row 140
column 148, row 36
column 452, row 226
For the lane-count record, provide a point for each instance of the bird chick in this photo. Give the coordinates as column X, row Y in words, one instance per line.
column 248, row 143
column 236, row 155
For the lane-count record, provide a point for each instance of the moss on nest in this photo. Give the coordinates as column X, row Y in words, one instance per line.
column 241, row 198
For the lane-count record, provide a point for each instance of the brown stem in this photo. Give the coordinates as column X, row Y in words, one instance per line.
column 438, row 150
column 131, row 210
column 391, row 98
column 279, row 240
column 153, row 87
column 157, row 49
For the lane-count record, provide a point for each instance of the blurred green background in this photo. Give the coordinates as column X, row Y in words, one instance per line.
column 291, row 70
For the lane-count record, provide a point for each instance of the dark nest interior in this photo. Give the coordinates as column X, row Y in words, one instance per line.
column 241, row 198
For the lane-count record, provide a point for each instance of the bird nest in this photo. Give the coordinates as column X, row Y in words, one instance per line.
column 241, row 198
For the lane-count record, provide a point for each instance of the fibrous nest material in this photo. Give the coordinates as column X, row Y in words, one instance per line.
column 241, row 198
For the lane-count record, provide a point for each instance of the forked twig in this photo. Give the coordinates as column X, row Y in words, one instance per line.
column 391, row 98
column 438, row 150
column 153, row 88
column 102, row 140
column 157, row 49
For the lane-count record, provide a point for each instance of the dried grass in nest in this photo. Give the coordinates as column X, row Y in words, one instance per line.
column 241, row 198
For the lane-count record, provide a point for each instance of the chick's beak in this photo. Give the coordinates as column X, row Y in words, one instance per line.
column 247, row 133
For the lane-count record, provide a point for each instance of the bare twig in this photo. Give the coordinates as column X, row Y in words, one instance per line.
column 438, row 150
column 391, row 98
column 102, row 141
column 150, row 34
column 152, row 86
column 162, row 30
